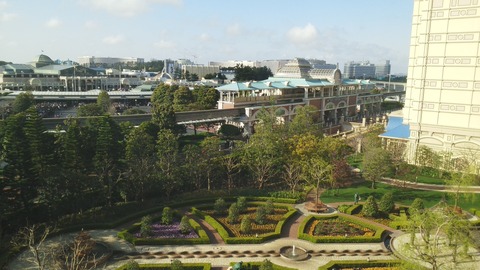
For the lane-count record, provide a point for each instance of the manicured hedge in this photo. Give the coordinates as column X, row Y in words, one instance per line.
column 226, row 236
column 354, row 209
column 359, row 264
column 377, row 237
column 128, row 236
column 256, row 266
column 165, row 266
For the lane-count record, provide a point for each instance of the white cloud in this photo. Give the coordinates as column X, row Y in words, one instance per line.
column 53, row 22
column 234, row 30
column 164, row 44
column 113, row 39
column 127, row 8
column 3, row 4
column 90, row 24
column 205, row 37
column 302, row 35
column 5, row 17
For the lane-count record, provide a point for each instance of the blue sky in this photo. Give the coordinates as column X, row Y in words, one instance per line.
column 208, row 30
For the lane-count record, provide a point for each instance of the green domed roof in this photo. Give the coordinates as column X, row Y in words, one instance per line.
column 42, row 60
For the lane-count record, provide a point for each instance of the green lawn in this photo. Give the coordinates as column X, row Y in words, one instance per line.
column 401, row 195
column 430, row 180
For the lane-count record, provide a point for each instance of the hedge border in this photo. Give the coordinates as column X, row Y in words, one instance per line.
column 351, row 264
column 206, row 266
column 223, row 232
column 376, row 238
column 275, row 266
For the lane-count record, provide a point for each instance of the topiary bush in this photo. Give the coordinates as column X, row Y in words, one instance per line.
column 269, row 207
column 386, row 204
column 220, row 206
column 242, row 204
column 132, row 265
column 370, row 207
column 233, row 213
column 167, row 216
column 416, row 206
column 146, row 226
column 185, row 226
column 261, row 215
column 246, row 225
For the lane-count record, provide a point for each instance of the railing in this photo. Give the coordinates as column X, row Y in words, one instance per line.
column 266, row 98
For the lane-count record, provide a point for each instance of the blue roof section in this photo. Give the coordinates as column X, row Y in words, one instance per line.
column 273, row 83
column 395, row 129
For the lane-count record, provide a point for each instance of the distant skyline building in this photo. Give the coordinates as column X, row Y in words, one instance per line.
column 94, row 61
column 43, row 74
column 366, row 70
column 442, row 103
column 383, row 70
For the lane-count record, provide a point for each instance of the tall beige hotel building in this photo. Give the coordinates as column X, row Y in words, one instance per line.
column 442, row 103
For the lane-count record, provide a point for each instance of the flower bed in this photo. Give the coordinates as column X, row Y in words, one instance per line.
column 231, row 234
column 166, row 234
column 372, row 265
column 338, row 229
column 234, row 229
column 168, row 231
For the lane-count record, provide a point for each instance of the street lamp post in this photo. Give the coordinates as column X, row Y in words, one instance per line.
column 389, row 80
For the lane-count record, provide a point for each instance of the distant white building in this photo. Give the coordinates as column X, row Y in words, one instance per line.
column 366, row 70
column 442, row 103
column 93, row 61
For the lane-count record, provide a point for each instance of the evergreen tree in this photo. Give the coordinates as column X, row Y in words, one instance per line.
column 386, row 203
column 104, row 102
column 22, row 102
column 168, row 161
column 220, row 206
column 261, row 215
column 185, row 226
column 246, row 225
column 167, row 216
column 182, row 99
column 233, row 213
column 417, row 206
column 370, row 208
column 242, row 204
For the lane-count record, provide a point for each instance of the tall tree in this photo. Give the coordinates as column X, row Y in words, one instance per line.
column 193, row 166
column 104, row 102
column 376, row 165
column 168, row 161
column 182, row 99
column 140, row 156
column 211, row 155
column 107, row 154
column 22, row 102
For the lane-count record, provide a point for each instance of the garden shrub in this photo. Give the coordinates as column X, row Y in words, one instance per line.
column 261, row 215
column 354, row 209
column 266, row 265
column 176, row 265
column 416, row 206
column 370, row 208
column 233, row 213
column 185, row 226
column 146, row 226
column 132, row 265
column 242, row 204
column 167, row 216
column 343, row 208
column 246, row 225
column 220, row 206
column 269, row 207
column 386, row 204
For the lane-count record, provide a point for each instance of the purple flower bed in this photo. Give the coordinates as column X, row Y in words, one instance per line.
column 168, row 231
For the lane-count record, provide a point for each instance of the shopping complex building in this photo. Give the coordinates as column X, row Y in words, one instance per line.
column 43, row 74
column 297, row 84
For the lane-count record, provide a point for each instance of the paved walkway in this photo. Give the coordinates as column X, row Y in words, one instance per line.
column 422, row 186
